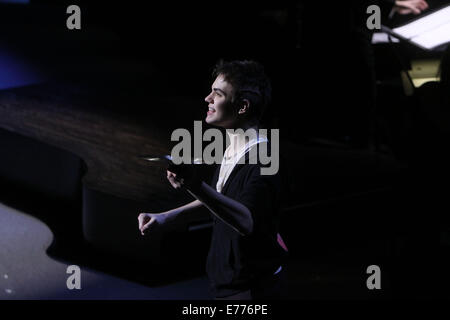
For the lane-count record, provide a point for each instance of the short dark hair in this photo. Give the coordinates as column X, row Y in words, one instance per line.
column 249, row 81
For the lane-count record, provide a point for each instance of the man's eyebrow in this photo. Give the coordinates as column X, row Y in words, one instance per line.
column 220, row 91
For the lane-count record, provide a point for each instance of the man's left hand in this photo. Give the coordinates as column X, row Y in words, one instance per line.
column 183, row 176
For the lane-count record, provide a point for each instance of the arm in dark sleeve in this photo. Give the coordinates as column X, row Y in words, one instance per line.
column 230, row 211
column 262, row 197
column 252, row 209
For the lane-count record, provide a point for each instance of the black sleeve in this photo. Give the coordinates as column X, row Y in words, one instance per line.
column 261, row 195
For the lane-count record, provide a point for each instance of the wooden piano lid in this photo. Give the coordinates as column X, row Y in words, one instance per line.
column 108, row 129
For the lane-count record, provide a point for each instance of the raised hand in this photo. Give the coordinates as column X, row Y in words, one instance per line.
column 183, row 176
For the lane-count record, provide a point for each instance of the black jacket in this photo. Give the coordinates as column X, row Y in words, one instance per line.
column 236, row 263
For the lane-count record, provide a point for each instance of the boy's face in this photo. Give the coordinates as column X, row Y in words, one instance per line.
column 221, row 111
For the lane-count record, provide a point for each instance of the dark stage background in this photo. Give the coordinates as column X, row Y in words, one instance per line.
column 366, row 173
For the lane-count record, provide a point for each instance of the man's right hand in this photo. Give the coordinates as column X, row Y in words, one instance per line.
column 149, row 221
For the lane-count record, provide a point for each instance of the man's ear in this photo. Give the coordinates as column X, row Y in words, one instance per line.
column 244, row 106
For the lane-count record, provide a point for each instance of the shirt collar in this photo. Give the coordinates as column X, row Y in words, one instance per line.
column 240, row 141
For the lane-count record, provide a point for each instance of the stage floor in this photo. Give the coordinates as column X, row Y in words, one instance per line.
column 27, row 272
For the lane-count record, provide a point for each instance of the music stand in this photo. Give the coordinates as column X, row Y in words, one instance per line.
column 430, row 32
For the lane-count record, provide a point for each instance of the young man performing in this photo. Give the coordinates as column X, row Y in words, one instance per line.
column 245, row 256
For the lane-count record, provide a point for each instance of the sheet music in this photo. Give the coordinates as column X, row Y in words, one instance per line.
column 428, row 32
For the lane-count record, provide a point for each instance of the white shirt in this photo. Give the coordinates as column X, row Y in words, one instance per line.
column 240, row 144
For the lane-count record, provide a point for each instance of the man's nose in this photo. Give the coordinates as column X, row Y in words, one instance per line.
column 208, row 98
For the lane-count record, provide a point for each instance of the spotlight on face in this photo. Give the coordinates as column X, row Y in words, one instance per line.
column 221, row 112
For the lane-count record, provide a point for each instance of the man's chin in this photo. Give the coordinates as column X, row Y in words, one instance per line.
column 215, row 122
column 210, row 120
